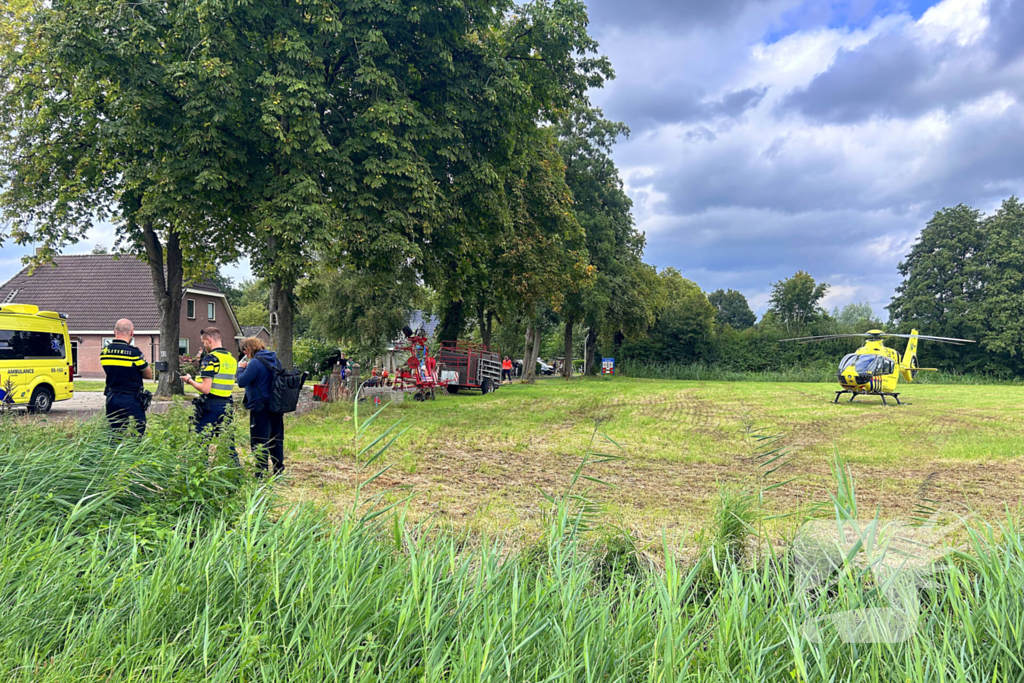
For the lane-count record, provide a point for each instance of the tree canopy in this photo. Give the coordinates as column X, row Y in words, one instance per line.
column 733, row 309
column 963, row 278
column 796, row 301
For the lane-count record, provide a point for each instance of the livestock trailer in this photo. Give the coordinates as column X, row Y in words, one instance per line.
column 468, row 365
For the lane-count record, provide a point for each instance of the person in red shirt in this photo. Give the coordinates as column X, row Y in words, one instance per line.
column 506, row 370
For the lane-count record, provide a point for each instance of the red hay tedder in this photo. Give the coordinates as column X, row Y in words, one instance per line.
column 459, row 365
column 419, row 375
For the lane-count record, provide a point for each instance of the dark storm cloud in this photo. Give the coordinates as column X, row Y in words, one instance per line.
column 643, row 106
column 878, row 78
column 666, row 13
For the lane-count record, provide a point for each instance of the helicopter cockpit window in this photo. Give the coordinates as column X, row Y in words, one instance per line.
column 847, row 360
column 869, row 365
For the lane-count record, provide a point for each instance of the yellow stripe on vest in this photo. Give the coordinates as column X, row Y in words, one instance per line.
column 117, row 362
column 224, row 380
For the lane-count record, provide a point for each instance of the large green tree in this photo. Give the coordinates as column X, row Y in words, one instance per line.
column 541, row 63
column 856, row 317
column 120, row 110
column 544, row 254
column 364, row 309
column 999, row 315
column 796, row 301
column 684, row 326
column 617, row 301
column 942, row 280
column 733, row 309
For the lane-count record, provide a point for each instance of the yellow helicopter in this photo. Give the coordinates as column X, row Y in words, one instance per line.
column 874, row 368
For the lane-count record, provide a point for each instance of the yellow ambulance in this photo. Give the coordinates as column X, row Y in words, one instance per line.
column 35, row 357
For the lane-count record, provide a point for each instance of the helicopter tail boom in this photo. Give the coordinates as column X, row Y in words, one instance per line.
column 909, row 366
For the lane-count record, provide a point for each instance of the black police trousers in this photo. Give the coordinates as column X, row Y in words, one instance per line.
column 122, row 409
column 212, row 420
column 266, row 436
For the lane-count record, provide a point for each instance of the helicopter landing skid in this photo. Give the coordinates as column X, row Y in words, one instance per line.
column 854, row 394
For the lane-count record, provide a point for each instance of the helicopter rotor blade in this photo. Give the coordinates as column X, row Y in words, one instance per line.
column 944, row 340
column 824, row 337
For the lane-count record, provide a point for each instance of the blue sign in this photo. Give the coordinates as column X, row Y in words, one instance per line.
column 607, row 366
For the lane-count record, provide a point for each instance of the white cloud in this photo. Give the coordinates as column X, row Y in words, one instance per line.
column 746, row 200
column 964, row 21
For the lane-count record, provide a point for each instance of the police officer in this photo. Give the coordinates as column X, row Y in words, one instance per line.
column 125, row 367
column 217, row 372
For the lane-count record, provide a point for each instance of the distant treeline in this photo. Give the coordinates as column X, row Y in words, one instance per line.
column 963, row 278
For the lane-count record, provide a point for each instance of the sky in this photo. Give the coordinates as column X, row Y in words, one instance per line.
column 771, row 136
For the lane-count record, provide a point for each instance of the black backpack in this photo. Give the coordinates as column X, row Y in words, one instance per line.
column 285, row 389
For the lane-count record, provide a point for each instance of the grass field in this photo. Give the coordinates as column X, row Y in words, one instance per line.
column 148, row 560
column 482, row 461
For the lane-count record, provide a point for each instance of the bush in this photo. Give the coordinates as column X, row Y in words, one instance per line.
column 311, row 354
column 190, row 364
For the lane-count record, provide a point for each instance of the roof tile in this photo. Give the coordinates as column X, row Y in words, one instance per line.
column 93, row 290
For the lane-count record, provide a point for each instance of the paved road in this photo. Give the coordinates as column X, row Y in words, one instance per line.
column 85, row 404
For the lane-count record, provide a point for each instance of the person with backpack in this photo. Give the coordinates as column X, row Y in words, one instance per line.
column 266, row 427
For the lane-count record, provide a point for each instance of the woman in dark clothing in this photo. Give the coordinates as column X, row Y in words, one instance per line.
column 266, row 429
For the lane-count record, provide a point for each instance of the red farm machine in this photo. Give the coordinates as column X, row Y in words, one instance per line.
column 420, row 374
column 459, row 366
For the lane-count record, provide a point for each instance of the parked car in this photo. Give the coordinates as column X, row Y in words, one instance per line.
column 542, row 367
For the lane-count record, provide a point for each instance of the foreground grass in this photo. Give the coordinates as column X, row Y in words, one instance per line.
column 138, row 561
column 478, row 461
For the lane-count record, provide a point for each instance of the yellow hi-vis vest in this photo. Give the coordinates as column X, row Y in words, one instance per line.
column 222, row 369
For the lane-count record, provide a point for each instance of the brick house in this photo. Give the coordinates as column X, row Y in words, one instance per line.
column 96, row 290
column 257, row 331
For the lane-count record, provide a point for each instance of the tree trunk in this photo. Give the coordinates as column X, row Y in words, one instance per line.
column 167, row 290
column 532, row 349
column 535, row 354
column 567, row 365
column 527, row 346
column 591, row 348
column 282, row 317
column 486, row 327
column 452, row 319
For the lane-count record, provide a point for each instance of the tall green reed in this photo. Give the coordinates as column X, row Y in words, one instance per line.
column 256, row 592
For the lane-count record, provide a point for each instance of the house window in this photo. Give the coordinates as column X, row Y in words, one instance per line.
column 105, row 341
column 211, row 310
column 183, row 347
column 74, row 357
column 190, row 309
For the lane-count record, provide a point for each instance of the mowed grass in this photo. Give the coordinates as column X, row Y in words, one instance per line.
column 482, row 462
